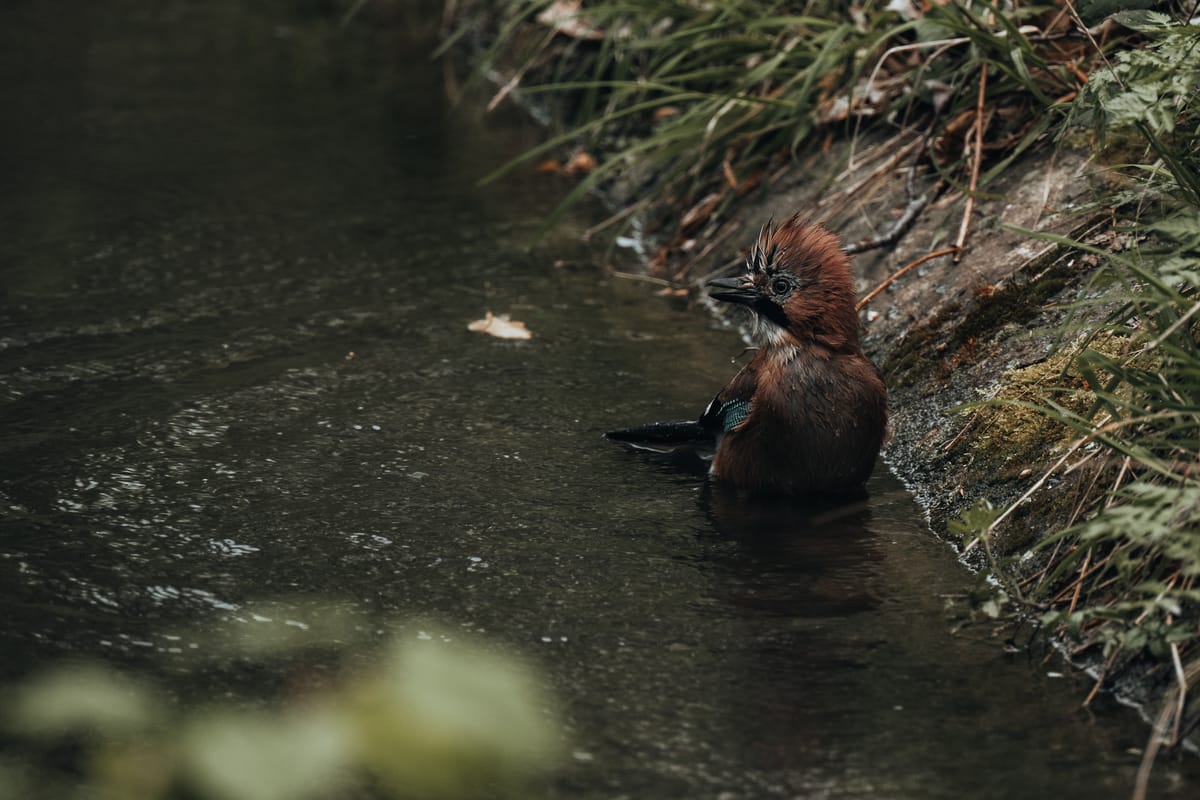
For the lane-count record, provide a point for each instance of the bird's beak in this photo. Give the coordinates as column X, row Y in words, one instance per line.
column 734, row 290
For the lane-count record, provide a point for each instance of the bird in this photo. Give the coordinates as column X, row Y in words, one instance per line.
column 808, row 414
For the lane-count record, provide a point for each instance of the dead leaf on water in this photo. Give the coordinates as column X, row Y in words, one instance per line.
column 501, row 327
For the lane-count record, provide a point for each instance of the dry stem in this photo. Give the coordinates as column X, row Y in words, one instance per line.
column 901, row 272
column 976, row 161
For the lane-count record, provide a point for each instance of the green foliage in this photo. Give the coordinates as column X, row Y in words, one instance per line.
column 736, row 79
column 433, row 719
column 738, row 85
column 975, row 521
column 1141, row 541
column 1125, row 577
column 1153, row 91
column 1154, row 516
column 83, row 699
column 1154, row 85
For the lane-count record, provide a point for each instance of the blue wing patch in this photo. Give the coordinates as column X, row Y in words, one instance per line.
column 733, row 414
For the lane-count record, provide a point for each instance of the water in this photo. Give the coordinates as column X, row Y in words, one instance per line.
column 240, row 254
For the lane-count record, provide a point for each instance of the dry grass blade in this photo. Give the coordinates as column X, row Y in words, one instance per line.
column 1158, row 736
column 976, row 161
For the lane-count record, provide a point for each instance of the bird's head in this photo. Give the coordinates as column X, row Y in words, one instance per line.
column 797, row 282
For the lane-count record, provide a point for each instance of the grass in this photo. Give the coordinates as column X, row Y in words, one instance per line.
column 692, row 106
column 1122, row 579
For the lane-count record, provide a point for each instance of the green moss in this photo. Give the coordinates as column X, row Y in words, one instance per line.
column 1011, row 431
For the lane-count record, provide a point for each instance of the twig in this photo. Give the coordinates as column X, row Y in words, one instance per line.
column 1183, row 690
column 869, row 155
column 975, row 164
column 1117, row 483
column 888, row 163
column 1101, row 677
column 1151, row 752
column 1084, row 574
column 970, row 424
column 1083, row 497
column 617, row 217
column 727, row 170
column 1169, row 707
column 1087, row 559
column 900, row 227
column 1096, row 45
column 901, row 272
column 1041, row 574
column 1170, row 582
column 1105, row 428
column 945, row 44
column 515, row 81
column 632, row 276
column 1039, row 483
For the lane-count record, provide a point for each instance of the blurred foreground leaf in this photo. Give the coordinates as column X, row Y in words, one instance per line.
column 82, row 699
column 446, row 720
column 432, row 719
column 290, row 756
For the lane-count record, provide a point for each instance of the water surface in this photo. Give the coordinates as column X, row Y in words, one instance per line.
column 240, row 254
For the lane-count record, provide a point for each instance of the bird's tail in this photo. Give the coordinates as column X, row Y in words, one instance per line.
column 666, row 437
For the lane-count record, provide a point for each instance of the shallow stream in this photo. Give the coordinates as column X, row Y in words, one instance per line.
column 240, row 251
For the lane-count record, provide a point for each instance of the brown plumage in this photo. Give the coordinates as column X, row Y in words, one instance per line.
column 808, row 414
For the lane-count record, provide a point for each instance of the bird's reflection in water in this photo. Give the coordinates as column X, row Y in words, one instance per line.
column 812, row 557
column 795, row 581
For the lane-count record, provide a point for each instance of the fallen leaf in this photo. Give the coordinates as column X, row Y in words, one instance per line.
column 580, row 163
column 550, row 165
column 663, row 112
column 730, row 177
column 501, row 327
column 866, row 101
column 699, row 214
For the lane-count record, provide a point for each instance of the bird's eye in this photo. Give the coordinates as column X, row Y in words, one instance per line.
column 780, row 286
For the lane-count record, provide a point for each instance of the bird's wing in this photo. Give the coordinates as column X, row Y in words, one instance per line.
column 731, row 407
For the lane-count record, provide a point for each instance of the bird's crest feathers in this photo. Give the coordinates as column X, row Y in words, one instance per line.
column 762, row 257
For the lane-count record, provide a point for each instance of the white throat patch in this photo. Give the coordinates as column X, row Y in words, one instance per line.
column 766, row 333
